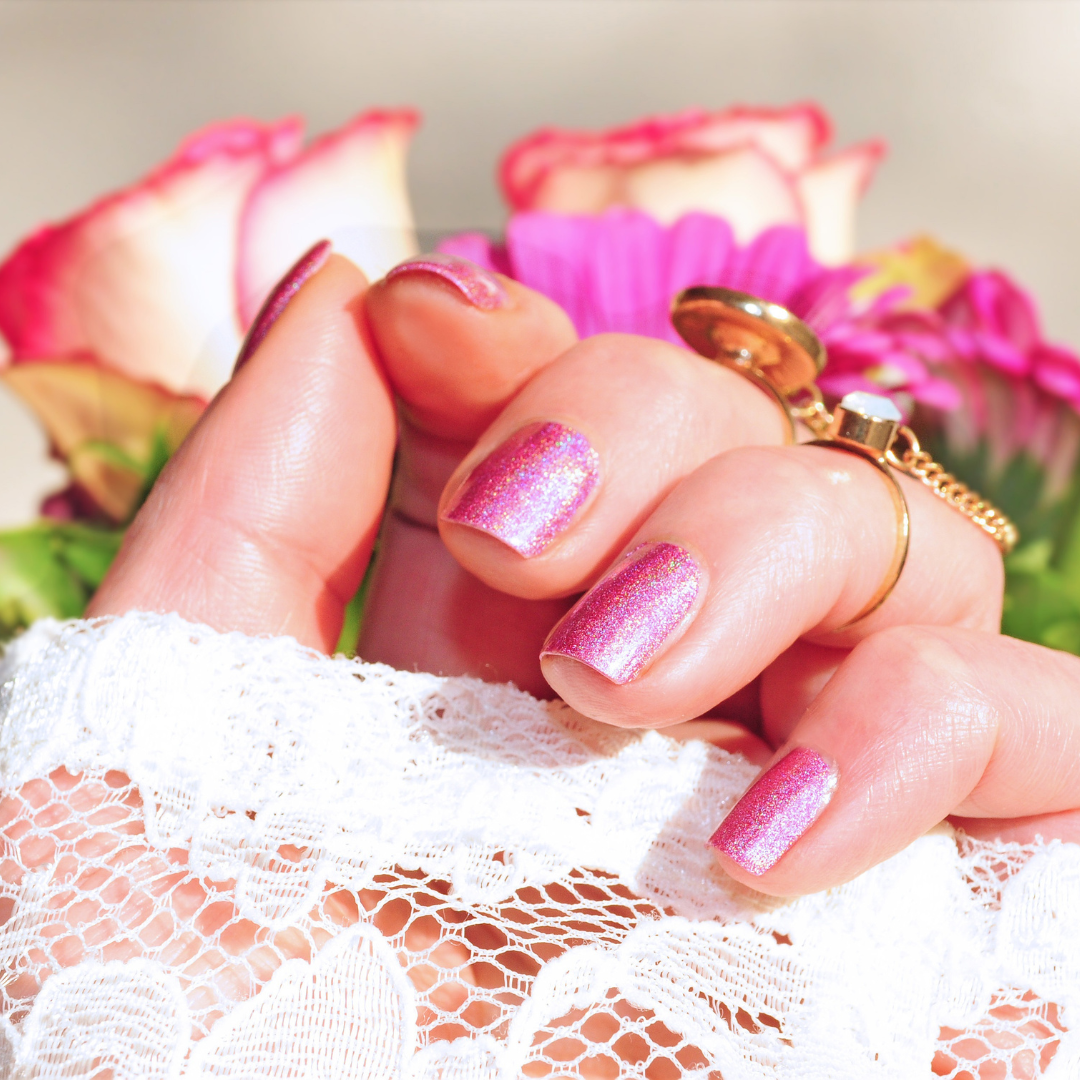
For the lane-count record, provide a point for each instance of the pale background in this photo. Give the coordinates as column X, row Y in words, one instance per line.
column 978, row 99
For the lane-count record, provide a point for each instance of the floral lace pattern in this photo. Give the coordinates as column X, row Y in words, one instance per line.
column 234, row 857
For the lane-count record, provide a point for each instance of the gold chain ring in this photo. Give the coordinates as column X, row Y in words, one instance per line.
column 917, row 463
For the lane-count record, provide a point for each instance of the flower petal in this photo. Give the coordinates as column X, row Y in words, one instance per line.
column 744, row 186
column 829, row 192
column 143, row 280
column 990, row 301
column 104, row 425
column 1057, row 371
column 348, row 187
column 578, row 172
column 477, row 248
column 791, row 137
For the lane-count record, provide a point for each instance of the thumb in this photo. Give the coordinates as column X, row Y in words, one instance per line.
column 917, row 724
column 264, row 519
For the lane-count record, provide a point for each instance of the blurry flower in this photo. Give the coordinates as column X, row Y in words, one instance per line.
column 139, row 304
column 1006, row 391
column 618, row 271
column 755, row 168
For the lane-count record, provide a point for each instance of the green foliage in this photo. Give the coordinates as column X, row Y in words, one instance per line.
column 354, row 613
column 1042, row 576
column 54, row 567
column 51, row 568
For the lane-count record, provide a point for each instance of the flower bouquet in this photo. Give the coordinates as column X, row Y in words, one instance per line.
column 118, row 326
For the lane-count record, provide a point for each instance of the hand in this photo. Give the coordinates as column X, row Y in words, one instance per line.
column 266, row 516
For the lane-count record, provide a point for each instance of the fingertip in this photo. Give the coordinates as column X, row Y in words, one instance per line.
column 778, row 809
column 309, row 264
column 458, row 341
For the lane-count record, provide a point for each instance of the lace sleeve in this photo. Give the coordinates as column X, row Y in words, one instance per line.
column 234, row 857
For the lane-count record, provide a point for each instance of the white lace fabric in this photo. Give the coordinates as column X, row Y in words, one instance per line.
column 234, row 857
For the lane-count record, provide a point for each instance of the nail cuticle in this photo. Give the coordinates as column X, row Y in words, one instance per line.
column 777, row 810
column 529, row 489
column 620, row 625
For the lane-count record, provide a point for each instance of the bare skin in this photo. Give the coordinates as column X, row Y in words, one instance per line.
column 264, row 522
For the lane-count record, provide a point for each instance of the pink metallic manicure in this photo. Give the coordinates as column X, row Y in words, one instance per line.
column 529, row 489
column 618, row 625
column 311, row 262
column 481, row 288
column 779, row 807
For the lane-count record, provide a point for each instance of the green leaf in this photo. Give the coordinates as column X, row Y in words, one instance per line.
column 1040, row 607
column 354, row 613
column 89, row 552
column 51, row 569
column 1042, row 579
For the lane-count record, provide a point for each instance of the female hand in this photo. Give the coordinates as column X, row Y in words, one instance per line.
column 265, row 518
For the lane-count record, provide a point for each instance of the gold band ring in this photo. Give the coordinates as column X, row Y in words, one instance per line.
column 866, row 425
column 779, row 353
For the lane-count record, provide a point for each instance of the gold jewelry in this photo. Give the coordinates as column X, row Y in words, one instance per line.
column 763, row 342
column 777, row 351
column 866, row 425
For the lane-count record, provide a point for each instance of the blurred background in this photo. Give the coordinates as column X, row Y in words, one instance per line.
column 979, row 101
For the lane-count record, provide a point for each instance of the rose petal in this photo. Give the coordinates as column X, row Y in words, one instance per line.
column 829, row 192
column 791, row 137
column 578, row 172
column 745, row 187
column 143, row 280
column 348, row 187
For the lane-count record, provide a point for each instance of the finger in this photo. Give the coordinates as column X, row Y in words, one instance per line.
column 584, row 453
column 423, row 611
column 457, row 343
column 791, row 682
column 757, row 549
column 918, row 723
column 264, row 519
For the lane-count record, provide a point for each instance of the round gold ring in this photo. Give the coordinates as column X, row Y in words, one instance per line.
column 779, row 353
column 763, row 342
column 903, row 528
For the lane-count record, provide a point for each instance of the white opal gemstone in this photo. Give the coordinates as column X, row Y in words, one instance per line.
column 872, row 405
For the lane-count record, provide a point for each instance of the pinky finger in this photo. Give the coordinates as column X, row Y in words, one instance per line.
column 917, row 724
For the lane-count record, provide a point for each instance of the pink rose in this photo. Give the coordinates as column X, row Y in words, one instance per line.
column 159, row 282
column 756, row 168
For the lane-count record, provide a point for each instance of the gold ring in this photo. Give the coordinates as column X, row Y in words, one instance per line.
column 778, row 352
column 761, row 341
column 866, row 425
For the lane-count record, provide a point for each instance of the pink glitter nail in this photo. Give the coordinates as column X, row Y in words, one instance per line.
column 779, row 807
column 481, row 288
column 312, row 261
column 618, row 625
column 529, row 489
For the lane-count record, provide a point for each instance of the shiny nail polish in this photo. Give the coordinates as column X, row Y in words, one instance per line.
column 311, row 262
column 481, row 288
column 528, row 490
column 777, row 809
column 618, row 625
